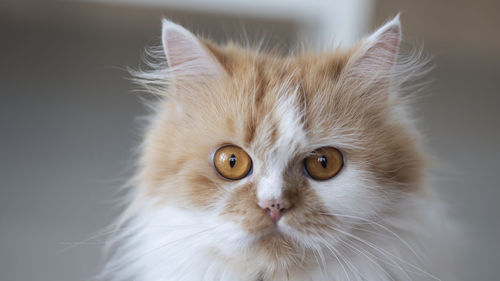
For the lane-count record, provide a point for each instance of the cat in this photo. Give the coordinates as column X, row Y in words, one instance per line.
column 259, row 166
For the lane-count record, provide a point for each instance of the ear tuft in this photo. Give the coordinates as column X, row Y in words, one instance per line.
column 391, row 27
column 387, row 39
column 377, row 54
column 185, row 54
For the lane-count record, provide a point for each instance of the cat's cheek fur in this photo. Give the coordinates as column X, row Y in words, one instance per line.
column 172, row 243
column 351, row 194
column 168, row 243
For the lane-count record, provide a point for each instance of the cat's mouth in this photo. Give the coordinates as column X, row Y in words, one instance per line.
column 272, row 234
column 269, row 227
column 273, row 230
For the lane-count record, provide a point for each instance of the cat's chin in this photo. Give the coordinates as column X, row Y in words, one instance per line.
column 274, row 230
column 277, row 234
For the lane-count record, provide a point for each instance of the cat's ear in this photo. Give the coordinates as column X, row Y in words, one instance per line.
column 374, row 58
column 187, row 57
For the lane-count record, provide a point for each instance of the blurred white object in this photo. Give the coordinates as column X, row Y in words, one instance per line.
column 323, row 22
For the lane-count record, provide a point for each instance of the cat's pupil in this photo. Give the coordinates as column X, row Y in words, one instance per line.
column 232, row 160
column 322, row 160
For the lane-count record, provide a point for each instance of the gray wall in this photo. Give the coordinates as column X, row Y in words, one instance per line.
column 68, row 123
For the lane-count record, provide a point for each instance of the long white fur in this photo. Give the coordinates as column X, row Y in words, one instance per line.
column 172, row 244
column 164, row 243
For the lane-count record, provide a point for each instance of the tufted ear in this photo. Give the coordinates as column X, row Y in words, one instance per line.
column 186, row 56
column 374, row 57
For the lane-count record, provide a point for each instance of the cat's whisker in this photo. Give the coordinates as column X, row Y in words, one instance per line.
column 355, row 272
column 88, row 241
column 372, row 222
column 390, row 259
column 322, row 263
column 359, row 275
column 386, row 253
column 341, row 244
column 332, row 251
column 365, row 254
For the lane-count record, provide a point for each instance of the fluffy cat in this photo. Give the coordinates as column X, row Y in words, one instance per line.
column 257, row 166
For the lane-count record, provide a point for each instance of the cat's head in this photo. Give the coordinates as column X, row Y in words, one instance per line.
column 286, row 154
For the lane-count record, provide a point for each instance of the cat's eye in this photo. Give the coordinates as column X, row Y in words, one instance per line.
column 324, row 163
column 232, row 162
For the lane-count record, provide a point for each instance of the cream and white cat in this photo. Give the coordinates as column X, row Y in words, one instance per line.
column 258, row 166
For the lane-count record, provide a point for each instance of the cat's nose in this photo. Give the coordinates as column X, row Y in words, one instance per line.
column 275, row 208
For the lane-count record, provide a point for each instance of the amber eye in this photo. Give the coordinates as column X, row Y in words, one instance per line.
column 232, row 162
column 324, row 164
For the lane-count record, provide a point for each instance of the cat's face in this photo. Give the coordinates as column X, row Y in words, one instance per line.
column 243, row 132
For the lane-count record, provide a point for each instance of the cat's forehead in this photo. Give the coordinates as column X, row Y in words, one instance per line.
column 277, row 133
column 296, row 95
column 271, row 104
column 277, row 106
column 268, row 69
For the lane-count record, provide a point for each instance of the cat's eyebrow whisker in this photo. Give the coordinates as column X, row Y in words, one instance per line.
column 338, row 141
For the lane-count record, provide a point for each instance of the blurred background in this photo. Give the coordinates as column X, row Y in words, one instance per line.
column 68, row 113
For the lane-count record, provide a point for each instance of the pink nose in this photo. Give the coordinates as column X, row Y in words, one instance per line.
column 275, row 208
